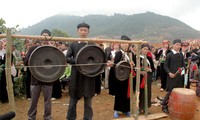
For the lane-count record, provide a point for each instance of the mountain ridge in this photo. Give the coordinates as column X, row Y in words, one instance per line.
column 148, row 26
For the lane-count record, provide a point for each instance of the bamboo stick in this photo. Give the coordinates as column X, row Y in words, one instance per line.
column 8, row 71
column 146, row 87
column 138, row 48
column 131, row 85
column 75, row 39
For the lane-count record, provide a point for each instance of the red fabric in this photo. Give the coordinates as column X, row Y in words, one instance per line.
column 165, row 42
column 179, row 70
column 194, row 67
column 149, row 54
column 143, row 82
column 128, row 92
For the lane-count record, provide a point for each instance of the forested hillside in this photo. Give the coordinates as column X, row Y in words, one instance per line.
column 148, row 26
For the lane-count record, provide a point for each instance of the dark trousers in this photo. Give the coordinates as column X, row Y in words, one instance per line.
column 88, row 113
column 28, row 83
column 98, row 84
column 56, row 91
column 3, row 90
column 35, row 94
column 158, row 73
column 165, row 100
column 163, row 76
column 154, row 74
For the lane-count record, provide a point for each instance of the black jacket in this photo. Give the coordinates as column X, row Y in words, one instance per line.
column 34, row 81
column 79, row 85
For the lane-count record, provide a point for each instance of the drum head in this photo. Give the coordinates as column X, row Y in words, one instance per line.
column 46, row 60
column 90, row 60
column 122, row 70
column 184, row 91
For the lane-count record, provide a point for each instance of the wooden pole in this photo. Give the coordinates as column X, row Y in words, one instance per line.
column 146, row 86
column 75, row 39
column 137, row 93
column 8, row 71
column 131, row 86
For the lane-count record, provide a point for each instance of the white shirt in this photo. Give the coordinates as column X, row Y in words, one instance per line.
column 2, row 53
column 65, row 52
column 164, row 52
column 142, row 56
column 175, row 52
column 126, row 57
column 113, row 52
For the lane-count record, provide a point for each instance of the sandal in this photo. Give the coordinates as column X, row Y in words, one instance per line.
column 116, row 114
column 127, row 114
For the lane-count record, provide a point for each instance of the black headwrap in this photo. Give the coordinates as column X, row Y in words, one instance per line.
column 176, row 41
column 145, row 45
column 46, row 31
column 83, row 25
column 124, row 37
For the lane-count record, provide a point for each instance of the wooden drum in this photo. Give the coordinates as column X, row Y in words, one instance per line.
column 182, row 104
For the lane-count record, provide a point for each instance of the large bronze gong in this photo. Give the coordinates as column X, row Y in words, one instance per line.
column 122, row 70
column 47, row 63
column 90, row 60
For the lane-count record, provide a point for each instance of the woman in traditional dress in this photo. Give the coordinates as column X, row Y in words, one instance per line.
column 120, row 88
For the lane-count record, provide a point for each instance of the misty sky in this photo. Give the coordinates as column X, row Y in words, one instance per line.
column 29, row 12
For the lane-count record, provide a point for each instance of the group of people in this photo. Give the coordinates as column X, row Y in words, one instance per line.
column 161, row 63
column 15, row 56
column 174, row 63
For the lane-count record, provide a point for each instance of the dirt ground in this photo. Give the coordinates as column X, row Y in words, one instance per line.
column 102, row 106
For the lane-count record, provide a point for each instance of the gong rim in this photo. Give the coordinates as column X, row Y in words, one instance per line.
column 49, row 63
column 122, row 70
column 89, row 60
